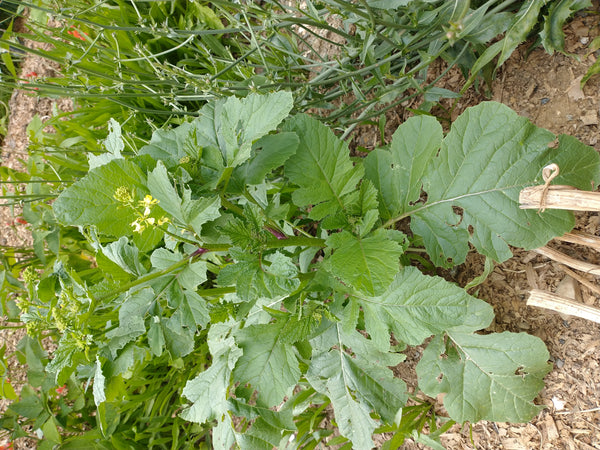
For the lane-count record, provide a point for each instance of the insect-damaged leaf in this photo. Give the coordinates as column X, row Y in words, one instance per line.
column 486, row 377
column 398, row 172
column 489, row 155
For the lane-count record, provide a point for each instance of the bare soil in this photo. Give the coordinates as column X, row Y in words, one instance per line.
column 544, row 88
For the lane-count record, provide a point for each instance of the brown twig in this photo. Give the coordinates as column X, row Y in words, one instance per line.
column 587, row 283
column 577, row 237
column 568, row 261
column 563, row 305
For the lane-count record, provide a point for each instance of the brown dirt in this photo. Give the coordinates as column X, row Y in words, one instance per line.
column 23, row 107
column 543, row 88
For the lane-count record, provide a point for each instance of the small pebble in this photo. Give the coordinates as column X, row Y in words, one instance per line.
column 544, row 100
column 559, row 363
column 561, row 341
column 584, row 40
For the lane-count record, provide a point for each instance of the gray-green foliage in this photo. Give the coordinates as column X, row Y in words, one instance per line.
column 269, row 283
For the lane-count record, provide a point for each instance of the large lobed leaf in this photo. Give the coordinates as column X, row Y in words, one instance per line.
column 357, row 381
column 268, row 363
column 232, row 125
column 366, row 263
column 416, row 306
column 321, row 168
column 486, row 377
column 398, row 172
column 489, row 155
column 90, row 200
column 208, row 391
column 271, row 276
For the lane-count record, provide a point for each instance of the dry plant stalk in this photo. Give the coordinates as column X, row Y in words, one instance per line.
column 578, row 237
column 568, row 261
column 563, row 305
column 559, row 197
column 569, row 198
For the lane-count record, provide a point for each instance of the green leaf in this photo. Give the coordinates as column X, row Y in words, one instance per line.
column 553, row 36
column 90, row 200
column 51, row 434
column 272, row 276
column 268, row 363
column 488, row 268
column 186, row 210
column 271, row 152
column 113, row 144
column 486, row 377
column 131, row 319
column 593, row 70
column 482, row 26
column 156, row 337
column 523, row 22
column 125, row 255
column 170, row 146
column 190, row 277
column 489, row 155
column 179, row 333
column 372, row 381
column 398, row 172
column 282, row 419
column 416, row 306
column 98, row 387
column 260, row 436
column 336, row 375
column 368, row 264
column 234, row 124
column 66, row 357
column 30, row 405
column 321, row 168
column 208, row 391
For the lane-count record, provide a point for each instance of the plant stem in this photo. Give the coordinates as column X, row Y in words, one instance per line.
column 300, row 241
column 145, row 279
column 215, row 292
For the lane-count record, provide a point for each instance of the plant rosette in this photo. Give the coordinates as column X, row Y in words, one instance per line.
column 247, row 257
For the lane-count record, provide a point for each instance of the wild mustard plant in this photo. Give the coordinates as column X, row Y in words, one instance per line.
column 275, row 289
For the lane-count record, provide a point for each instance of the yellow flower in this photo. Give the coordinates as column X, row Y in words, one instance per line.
column 123, row 195
column 138, row 226
column 147, row 203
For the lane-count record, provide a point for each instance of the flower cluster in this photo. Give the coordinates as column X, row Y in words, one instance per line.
column 143, row 208
column 123, row 195
column 145, row 220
